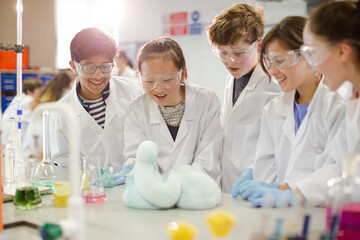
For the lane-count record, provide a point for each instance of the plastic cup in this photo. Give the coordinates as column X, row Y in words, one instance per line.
column 61, row 193
column 107, row 176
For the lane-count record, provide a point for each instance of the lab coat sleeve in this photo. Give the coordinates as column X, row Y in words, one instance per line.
column 314, row 187
column 207, row 155
column 134, row 134
column 59, row 141
column 264, row 166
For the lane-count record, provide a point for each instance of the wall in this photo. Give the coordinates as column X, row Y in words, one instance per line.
column 38, row 29
column 141, row 22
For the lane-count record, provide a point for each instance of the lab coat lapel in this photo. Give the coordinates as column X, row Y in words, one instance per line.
column 189, row 115
column 156, row 118
column 253, row 81
column 84, row 117
column 111, row 102
column 288, row 112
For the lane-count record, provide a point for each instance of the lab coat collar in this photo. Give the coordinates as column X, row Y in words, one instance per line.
column 253, row 81
column 189, row 115
column 85, row 117
column 287, row 111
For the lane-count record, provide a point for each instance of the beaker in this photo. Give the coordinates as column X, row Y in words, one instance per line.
column 343, row 212
column 27, row 196
column 92, row 186
column 107, row 175
column 43, row 174
column 61, row 186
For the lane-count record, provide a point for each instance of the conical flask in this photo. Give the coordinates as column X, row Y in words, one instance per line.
column 43, row 173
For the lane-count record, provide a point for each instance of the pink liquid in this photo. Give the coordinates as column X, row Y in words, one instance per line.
column 94, row 197
column 349, row 228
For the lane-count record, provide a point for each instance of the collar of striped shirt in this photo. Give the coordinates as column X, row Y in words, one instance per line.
column 105, row 95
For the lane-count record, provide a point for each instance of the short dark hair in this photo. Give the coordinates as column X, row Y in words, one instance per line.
column 162, row 47
column 30, row 84
column 288, row 32
column 90, row 42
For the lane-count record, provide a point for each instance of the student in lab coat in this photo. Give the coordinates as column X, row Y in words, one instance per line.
column 235, row 36
column 99, row 100
column 181, row 118
column 332, row 47
column 31, row 88
column 296, row 126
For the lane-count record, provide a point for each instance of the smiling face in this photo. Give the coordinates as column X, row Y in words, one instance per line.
column 163, row 96
column 92, row 86
column 327, row 61
column 292, row 77
column 240, row 68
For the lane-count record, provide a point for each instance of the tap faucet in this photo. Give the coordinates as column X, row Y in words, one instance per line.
column 74, row 225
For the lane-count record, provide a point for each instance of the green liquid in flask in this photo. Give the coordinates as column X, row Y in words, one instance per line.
column 27, row 198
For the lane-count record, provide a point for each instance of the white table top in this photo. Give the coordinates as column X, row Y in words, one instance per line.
column 112, row 219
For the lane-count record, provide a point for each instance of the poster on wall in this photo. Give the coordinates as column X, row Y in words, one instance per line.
column 182, row 23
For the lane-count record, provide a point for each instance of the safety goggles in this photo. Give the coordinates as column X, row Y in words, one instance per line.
column 90, row 70
column 236, row 55
column 282, row 60
column 166, row 81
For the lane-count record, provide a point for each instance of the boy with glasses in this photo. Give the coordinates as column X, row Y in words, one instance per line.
column 235, row 36
column 100, row 101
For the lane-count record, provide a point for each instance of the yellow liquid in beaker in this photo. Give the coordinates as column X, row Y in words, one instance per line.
column 61, row 193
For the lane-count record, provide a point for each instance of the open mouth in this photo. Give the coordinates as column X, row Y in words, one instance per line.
column 281, row 80
column 96, row 84
column 160, row 96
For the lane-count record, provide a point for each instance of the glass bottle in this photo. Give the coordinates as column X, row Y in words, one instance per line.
column 343, row 212
column 43, row 174
column 27, row 196
column 92, row 186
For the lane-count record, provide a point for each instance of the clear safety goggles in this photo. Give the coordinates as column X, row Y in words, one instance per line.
column 236, row 55
column 90, row 70
column 316, row 55
column 282, row 60
column 166, row 80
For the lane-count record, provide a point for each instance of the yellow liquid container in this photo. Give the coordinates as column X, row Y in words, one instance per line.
column 181, row 230
column 220, row 223
column 61, row 193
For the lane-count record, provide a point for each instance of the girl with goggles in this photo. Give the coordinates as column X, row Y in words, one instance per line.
column 182, row 119
column 296, row 125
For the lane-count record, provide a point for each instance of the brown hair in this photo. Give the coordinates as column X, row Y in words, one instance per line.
column 54, row 88
column 30, row 84
column 240, row 21
column 90, row 42
column 162, row 47
column 288, row 32
column 337, row 21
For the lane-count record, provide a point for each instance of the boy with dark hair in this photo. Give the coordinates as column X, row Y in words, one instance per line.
column 235, row 37
column 100, row 101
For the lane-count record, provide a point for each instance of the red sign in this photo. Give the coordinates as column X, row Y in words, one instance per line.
column 178, row 30
column 178, row 18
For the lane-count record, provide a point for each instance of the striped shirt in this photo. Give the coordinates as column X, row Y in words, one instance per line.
column 96, row 108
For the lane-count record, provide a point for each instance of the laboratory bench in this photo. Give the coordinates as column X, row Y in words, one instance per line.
column 113, row 220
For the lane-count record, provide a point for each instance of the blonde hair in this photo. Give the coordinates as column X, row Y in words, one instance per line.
column 240, row 21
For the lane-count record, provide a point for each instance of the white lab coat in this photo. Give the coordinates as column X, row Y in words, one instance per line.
column 94, row 140
column 346, row 142
column 10, row 111
column 285, row 158
column 242, row 124
column 198, row 140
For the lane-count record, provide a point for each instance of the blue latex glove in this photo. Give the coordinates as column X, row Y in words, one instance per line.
column 120, row 177
column 270, row 197
column 249, row 187
column 247, row 174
